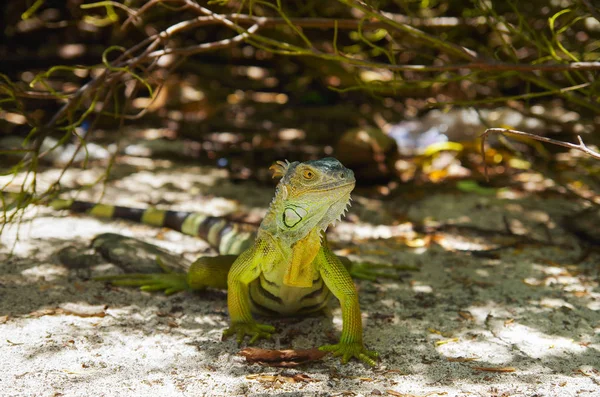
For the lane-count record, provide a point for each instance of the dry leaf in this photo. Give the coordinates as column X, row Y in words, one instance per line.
column 304, row 378
column 492, row 369
column 462, row 359
column 397, row 394
column 580, row 294
column 281, row 358
column 75, row 309
column 466, row 315
column 281, row 378
column 82, row 310
column 394, row 371
column 45, row 312
column 443, row 342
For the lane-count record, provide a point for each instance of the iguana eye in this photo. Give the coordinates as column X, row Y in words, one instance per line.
column 308, row 174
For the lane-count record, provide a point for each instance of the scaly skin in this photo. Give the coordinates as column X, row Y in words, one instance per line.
column 289, row 252
column 289, row 269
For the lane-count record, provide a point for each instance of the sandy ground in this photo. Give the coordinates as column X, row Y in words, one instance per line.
column 520, row 321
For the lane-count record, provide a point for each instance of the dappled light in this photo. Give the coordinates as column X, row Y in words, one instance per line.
column 198, row 151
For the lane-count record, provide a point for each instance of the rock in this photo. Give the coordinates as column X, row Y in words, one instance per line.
column 369, row 152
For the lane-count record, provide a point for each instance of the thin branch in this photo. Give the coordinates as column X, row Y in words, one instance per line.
column 473, row 60
column 228, row 19
column 581, row 146
column 232, row 20
column 215, row 45
column 593, row 10
column 45, row 95
column 377, row 19
column 345, row 23
column 108, row 3
column 485, row 66
column 431, row 39
column 138, row 13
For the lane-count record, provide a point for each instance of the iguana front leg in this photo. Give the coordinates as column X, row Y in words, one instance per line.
column 245, row 270
column 340, row 283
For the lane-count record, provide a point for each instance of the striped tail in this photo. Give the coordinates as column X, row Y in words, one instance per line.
column 229, row 238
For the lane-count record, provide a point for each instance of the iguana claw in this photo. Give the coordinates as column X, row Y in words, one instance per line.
column 349, row 350
column 254, row 330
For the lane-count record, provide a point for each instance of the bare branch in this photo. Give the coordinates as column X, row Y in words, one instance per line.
column 581, row 146
column 377, row 19
column 327, row 23
column 138, row 13
column 593, row 10
column 234, row 20
column 241, row 19
column 487, row 66
column 204, row 46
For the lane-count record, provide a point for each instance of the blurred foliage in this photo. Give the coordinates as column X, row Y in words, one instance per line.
column 254, row 81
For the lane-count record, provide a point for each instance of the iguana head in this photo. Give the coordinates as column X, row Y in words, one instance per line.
column 309, row 195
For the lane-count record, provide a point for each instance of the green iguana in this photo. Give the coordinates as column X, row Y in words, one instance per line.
column 285, row 268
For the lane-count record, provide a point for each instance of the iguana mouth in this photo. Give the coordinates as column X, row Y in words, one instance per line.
column 331, row 187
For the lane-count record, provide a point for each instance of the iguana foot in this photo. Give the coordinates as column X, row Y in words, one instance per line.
column 254, row 330
column 349, row 350
column 365, row 270
column 169, row 282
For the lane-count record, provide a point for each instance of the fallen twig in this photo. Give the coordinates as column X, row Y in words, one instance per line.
column 281, row 358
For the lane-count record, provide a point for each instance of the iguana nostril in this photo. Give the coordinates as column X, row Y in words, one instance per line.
column 342, row 175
